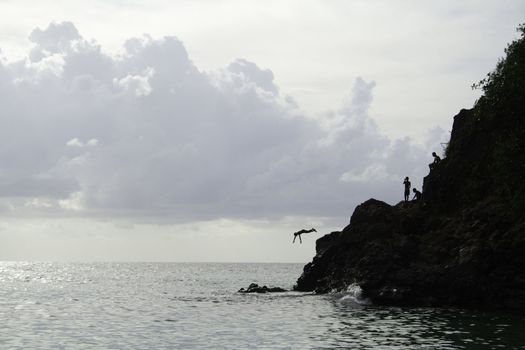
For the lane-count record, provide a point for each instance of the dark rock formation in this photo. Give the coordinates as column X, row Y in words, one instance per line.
column 463, row 244
column 255, row 288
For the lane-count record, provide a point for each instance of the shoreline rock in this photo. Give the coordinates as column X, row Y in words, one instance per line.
column 255, row 288
column 405, row 256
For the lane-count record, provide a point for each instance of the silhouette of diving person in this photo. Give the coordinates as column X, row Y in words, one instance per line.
column 299, row 233
column 407, row 188
column 436, row 161
column 417, row 195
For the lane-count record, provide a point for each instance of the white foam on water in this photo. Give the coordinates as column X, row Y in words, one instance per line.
column 354, row 293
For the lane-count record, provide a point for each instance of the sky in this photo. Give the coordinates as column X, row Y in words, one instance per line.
column 213, row 130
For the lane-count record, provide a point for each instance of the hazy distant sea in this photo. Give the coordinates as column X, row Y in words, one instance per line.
column 195, row 306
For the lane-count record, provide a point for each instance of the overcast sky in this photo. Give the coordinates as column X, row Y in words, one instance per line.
column 212, row 130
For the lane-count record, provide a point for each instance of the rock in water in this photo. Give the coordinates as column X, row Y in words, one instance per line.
column 255, row 288
column 463, row 244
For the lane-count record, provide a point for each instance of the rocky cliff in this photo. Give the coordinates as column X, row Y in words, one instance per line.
column 463, row 244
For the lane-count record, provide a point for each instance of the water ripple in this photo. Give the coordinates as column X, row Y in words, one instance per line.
column 195, row 306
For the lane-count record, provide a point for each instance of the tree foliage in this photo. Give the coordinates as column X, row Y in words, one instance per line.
column 504, row 87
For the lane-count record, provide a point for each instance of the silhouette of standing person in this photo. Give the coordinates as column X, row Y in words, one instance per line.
column 407, row 188
column 299, row 233
column 417, row 195
column 436, row 161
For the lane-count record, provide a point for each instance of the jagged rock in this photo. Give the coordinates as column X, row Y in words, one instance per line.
column 255, row 288
column 411, row 256
column 463, row 244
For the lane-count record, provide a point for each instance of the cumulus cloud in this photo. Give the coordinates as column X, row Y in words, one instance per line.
column 75, row 142
column 138, row 83
column 148, row 133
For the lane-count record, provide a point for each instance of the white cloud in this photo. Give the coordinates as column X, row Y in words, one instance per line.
column 214, row 141
column 39, row 203
column 138, row 83
column 75, row 142
column 92, row 142
column 184, row 144
column 74, row 202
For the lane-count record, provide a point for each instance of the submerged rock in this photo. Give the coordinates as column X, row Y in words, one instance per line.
column 255, row 288
column 463, row 243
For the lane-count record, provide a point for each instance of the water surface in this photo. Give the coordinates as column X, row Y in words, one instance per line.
column 195, row 306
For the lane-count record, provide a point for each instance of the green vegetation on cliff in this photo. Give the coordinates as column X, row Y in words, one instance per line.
column 486, row 154
column 501, row 108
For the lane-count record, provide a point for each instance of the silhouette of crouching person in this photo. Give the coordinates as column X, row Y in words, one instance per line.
column 436, row 161
column 299, row 233
column 417, row 195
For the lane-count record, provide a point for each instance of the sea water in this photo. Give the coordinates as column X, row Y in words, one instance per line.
column 196, row 306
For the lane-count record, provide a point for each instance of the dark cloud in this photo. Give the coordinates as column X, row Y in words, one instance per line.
column 147, row 133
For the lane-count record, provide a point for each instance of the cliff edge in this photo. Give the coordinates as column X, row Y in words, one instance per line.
column 463, row 244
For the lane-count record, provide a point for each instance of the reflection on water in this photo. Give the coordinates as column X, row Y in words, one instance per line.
column 422, row 328
column 195, row 306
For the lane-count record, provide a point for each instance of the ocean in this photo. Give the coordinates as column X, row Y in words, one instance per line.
column 196, row 306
